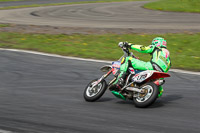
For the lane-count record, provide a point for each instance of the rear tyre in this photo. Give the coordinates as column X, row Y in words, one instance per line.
column 149, row 97
column 92, row 94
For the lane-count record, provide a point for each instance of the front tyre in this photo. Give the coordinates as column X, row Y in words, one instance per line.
column 148, row 97
column 91, row 93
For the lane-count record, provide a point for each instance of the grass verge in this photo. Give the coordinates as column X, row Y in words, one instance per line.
column 175, row 5
column 67, row 3
column 4, row 25
column 184, row 48
column 10, row 0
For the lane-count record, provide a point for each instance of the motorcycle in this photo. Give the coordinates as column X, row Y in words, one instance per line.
column 142, row 87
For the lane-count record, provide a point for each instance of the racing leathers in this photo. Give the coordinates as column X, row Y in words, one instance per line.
column 160, row 61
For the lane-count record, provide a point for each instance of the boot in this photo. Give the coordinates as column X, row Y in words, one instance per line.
column 119, row 83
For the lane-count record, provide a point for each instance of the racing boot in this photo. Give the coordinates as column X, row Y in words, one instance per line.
column 160, row 91
column 117, row 86
column 119, row 83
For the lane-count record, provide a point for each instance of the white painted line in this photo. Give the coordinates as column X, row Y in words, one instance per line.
column 54, row 55
column 83, row 59
column 184, row 71
column 4, row 131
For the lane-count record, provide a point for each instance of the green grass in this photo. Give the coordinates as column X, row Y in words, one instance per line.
column 67, row 3
column 163, row 5
column 4, row 25
column 175, row 5
column 184, row 48
column 10, row 0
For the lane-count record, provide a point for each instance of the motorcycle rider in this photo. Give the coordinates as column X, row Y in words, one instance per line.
column 160, row 60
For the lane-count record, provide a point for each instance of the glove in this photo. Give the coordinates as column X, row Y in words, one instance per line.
column 143, row 48
column 121, row 44
column 124, row 44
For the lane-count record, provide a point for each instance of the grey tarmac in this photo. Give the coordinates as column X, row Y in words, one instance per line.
column 41, row 94
column 30, row 2
column 103, row 15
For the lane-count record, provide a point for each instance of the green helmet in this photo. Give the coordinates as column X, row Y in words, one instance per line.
column 159, row 42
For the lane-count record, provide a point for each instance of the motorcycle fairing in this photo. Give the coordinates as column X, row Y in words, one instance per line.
column 149, row 75
column 158, row 75
column 140, row 77
column 106, row 68
column 115, row 66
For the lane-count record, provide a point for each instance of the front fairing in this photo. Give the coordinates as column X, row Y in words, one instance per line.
column 116, row 67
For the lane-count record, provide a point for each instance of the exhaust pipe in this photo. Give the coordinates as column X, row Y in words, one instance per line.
column 134, row 89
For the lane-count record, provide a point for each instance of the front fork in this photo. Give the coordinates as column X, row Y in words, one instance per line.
column 102, row 78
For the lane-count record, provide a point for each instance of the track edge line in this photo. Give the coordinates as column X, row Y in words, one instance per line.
column 84, row 59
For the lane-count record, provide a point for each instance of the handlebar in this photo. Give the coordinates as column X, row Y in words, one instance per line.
column 127, row 52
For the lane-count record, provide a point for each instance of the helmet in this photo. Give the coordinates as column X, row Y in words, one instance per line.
column 159, row 42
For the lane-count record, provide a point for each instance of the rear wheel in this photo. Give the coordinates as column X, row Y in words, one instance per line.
column 148, row 97
column 93, row 93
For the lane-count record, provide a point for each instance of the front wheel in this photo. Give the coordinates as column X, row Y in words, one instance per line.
column 93, row 93
column 148, row 97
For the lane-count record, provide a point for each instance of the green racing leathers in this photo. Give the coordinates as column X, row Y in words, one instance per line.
column 160, row 61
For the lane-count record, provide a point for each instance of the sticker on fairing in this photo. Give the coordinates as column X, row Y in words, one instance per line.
column 140, row 77
column 115, row 67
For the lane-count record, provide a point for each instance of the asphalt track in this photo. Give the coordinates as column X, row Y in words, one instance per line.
column 103, row 15
column 30, row 2
column 40, row 94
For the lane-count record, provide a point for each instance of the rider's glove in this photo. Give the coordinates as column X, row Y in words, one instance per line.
column 124, row 44
column 121, row 44
column 143, row 48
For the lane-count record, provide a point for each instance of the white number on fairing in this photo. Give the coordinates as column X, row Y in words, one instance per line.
column 142, row 76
